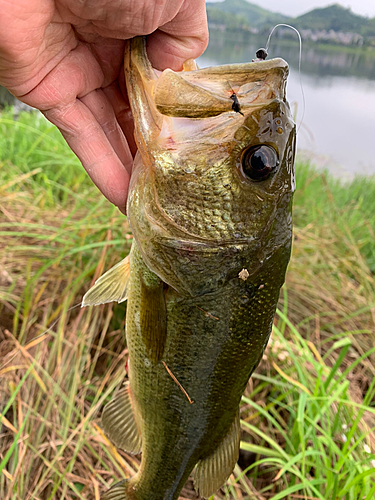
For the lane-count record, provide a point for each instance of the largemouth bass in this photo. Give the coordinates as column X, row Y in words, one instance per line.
column 210, row 207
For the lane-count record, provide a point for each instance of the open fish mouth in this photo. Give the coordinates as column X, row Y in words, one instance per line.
column 207, row 92
column 187, row 121
column 211, row 91
column 215, row 156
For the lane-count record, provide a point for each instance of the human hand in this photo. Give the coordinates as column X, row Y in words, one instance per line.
column 65, row 58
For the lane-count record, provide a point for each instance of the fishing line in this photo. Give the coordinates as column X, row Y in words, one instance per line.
column 299, row 64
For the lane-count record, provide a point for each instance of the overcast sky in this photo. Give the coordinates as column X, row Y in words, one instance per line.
column 295, row 8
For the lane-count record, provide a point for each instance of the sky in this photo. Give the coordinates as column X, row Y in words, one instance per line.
column 296, row 7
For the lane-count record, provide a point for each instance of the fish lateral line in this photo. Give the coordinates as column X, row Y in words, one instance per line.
column 178, row 383
column 208, row 314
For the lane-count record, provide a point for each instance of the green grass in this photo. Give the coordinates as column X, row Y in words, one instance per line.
column 322, row 200
column 308, row 413
column 33, row 152
column 311, row 435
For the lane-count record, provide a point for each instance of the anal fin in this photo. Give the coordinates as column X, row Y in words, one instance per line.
column 212, row 472
column 111, row 287
column 119, row 422
column 116, row 492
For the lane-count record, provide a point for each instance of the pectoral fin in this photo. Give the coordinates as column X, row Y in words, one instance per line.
column 111, row 287
column 119, row 422
column 212, row 472
column 153, row 317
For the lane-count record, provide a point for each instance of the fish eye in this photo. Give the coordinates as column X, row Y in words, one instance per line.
column 258, row 162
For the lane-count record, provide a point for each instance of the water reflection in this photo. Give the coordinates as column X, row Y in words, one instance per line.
column 339, row 123
column 327, row 61
column 335, row 63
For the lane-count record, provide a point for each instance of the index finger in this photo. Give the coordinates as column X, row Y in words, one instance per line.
column 90, row 141
column 70, row 96
column 184, row 37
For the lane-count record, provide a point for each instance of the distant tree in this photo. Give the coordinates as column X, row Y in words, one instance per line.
column 232, row 22
column 334, row 17
column 256, row 16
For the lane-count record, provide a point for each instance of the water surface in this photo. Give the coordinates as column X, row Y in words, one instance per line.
column 338, row 128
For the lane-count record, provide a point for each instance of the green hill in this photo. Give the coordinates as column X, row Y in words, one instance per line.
column 255, row 16
column 217, row 17
column 335, row 17
column 240, row 14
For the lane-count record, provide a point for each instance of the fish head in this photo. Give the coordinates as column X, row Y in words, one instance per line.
column 211, row 191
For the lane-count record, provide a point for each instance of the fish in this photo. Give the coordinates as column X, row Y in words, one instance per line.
column 210, row 209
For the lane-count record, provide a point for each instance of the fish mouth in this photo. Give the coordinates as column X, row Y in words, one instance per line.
column 212, row 91
column 188, row 200
column 175, row 111
column 196, row 93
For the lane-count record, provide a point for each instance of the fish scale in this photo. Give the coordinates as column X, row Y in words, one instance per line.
column 185, row 346
column 209, row 206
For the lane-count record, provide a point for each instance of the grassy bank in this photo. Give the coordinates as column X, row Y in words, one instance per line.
column 308, row 416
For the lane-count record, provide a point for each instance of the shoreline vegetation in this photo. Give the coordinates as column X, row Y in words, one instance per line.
column 308, row 413
column 291, row 41
column 334, row 25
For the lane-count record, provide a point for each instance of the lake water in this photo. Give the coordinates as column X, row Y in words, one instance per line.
column 338, row 128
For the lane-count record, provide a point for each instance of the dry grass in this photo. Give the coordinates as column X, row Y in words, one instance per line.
column 59, row 363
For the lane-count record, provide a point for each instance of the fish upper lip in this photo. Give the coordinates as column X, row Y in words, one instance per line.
column 276, row 62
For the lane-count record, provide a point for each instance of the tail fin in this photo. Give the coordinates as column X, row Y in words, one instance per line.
column 117, row 492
